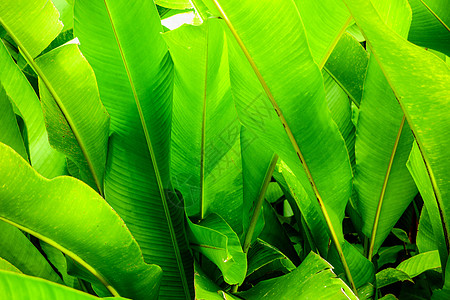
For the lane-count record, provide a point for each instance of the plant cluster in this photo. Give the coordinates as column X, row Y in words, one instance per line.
column 289, row 149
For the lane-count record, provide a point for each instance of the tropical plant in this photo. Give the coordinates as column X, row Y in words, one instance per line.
column 262, row 150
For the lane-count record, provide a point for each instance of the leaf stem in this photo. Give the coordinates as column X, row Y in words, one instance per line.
column 383, row 191
column 266, row 88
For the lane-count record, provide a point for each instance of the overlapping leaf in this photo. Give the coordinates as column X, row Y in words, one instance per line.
column 44, row 159
column 17, row 286
column 314, row 276
column 258, row 164
column 430, row 25
column 349, row 76
column 134, row 71
column 88, row 145
column 19, row 251
column 77, row 122
column 9, row 129
column 288, row 88
column 214, row 238
column 383, row 143
column 435, row 225
column 420, row 82
column 203, row 112
column 36, row 27
column 57, row 210
column 325, row 22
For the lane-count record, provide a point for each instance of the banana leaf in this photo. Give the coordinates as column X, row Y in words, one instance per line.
column 76, row 121
column 325, row 22
column 203, row 111
column 420, row 82
column 420, row 263
column 43, row 157
column 349, row 76
column 9, row 129
column 430, row 24
column 17, row 286
column 314, row 276
column 20, row 252
column 88, row 146
column 134, row 73
column 7, row 266
column 281, row 104
column 72, row 217
column 383, row 143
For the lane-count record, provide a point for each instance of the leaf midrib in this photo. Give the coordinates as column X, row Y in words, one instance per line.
column 58, row 102
column 435, row 15
column 334, row 43
column 202, row 151
column 69, row 253
column 434, row 185
column 153, row 159
column 292, row 140
column 383, row 190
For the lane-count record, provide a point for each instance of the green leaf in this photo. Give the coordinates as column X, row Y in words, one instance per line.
column 134, row 73
column 58, row 260
column 92, row 144
column 418, row 170
column 174, row 4
column 273, row 193
column 349, row 76
column 313, row 277
column 430, row 24
column 44, row 159
column 36, row 27
column 19, row 251
column 420, row 82
column 214, row 238
column 65, row 13
column 203, row 111
column 341, row 112
column 401, row 235
column 389, row 297
column 275, row 234
column 302, row 205
column 258, row 164
column 17, row 286
column 10, row 133
column 426, row 240
column 226, row 183
column 261, row 80
column 383, row 143
column 389, row 276
column 263, row 256
column 361, row 268
column 72, row 217
column 206, row 289
column 389, row 255
column 7, row 266
column 77, row 122
column 420, row 263
column 325, row 22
